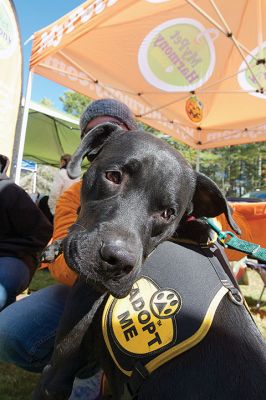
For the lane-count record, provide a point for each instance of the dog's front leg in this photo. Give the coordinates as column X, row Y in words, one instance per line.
column 52, row 251
column 57, row 377
column 69, row 354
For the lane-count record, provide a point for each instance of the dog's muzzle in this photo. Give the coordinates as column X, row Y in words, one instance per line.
column 118, row 260
column 111, row 264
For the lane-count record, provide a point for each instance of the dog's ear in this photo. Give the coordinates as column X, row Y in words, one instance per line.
column 208, row 201
column 90, row 146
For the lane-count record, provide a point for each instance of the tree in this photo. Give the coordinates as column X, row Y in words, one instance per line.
column 47, row 102
column 235, row 169
column 44, row 179
column 74, row 103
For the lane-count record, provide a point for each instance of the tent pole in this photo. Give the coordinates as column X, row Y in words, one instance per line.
column 197, row 161
column 23, row 128
column 34, row 185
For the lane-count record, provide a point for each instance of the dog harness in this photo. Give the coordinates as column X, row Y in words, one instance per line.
column 169, row 309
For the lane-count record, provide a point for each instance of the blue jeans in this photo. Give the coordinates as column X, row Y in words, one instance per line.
column 28, row 328
column 14, row 278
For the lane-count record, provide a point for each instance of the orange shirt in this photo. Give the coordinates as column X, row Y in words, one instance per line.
column 65, row 215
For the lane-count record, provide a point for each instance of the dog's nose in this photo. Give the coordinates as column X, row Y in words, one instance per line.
column 115, row 253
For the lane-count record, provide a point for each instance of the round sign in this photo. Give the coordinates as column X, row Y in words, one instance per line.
column 177, row 55
column 194, row 109
column 250, row 80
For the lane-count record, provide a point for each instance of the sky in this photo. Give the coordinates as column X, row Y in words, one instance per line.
column 34, row 15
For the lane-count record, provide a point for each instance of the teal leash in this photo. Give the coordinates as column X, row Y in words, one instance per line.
column 230, row 240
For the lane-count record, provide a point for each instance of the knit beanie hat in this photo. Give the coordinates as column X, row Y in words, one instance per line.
column 107, row 107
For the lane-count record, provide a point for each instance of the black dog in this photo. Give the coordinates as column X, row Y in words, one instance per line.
column 138, row 193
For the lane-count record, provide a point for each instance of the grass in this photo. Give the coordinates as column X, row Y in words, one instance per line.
column 16, row 384
column 252, row 293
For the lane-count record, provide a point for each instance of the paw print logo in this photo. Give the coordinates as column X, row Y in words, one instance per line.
column 165, row 303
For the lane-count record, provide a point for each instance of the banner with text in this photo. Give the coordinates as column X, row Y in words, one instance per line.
column 10, row 76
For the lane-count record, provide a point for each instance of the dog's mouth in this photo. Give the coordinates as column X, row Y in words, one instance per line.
column 108, row 271
column 119, row 282
column 117, row 289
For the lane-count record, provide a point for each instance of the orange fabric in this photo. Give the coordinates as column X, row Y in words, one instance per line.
column 246, row 234
column 251, row 219
column 255, row 215
column 162, row 51
column 65, row 216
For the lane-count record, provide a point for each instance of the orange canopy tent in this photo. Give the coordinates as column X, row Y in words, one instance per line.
column 195, row 70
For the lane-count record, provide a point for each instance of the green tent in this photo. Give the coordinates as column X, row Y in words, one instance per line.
column 50, row 134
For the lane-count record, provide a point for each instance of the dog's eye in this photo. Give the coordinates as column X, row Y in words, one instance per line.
column 114, row 176
column 168, row 213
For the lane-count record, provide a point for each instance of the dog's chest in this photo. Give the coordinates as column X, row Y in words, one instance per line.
column 169, row 309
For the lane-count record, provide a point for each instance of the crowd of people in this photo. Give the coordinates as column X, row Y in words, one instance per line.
column 28, row 327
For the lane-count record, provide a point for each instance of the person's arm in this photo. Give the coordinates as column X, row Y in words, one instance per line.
column 27, row 221
column 65, row 215
column 56, row 190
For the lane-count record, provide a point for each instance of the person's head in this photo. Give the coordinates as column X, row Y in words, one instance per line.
column 64, row 160
column 4, row 163
column 106, row 110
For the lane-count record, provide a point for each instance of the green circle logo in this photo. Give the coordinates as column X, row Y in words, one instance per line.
column 254, row 77
column 178, row 55
column 8, row 32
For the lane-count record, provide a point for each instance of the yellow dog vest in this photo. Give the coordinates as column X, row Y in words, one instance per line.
column 169, row 309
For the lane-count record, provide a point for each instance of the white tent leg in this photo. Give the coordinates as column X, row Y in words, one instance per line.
column 198, row 161
column 23, row 129
column 34, row 185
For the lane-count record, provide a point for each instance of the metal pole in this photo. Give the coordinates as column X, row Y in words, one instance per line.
column 198, row 161
column 23, row 128
column 34, row 186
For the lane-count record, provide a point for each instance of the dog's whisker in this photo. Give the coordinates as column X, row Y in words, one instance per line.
column 80, row 225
